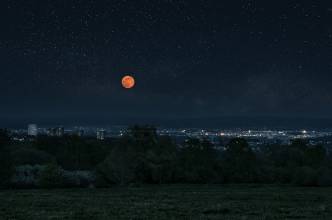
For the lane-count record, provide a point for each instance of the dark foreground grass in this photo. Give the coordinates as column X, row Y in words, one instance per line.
column 169, row 202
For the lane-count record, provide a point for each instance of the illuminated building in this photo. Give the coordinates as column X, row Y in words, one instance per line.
column 101, row 134
column 32, row 130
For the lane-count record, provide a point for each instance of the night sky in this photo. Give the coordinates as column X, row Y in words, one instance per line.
column 62, row 59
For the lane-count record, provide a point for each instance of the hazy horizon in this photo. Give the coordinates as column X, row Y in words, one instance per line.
column 223, row 122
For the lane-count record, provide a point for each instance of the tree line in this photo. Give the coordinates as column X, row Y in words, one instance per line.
column 141, row 156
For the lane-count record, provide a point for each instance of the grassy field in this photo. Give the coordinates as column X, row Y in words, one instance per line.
column 169, row 202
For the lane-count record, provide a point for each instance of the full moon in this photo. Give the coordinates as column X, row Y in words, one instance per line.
column 128, row 82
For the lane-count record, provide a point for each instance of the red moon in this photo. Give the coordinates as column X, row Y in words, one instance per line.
column 128, row 82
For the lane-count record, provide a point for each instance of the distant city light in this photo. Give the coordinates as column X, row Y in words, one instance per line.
column 32, row 130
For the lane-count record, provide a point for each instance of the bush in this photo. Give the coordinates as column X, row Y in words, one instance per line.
column 79, row 178
column 26, row 176
column 51, row 177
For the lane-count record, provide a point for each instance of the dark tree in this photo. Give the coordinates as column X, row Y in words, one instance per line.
column 73, row 152
column 4, row 138
column 198, row 162
column 119, row 167
column 141, row 156
column 239, row 162
column 6, row 169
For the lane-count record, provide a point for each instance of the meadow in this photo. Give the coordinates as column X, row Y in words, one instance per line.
column 169, row 202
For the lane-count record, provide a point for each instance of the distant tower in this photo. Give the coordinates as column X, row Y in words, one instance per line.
column 101, row 134
column 32, row 130
column 60, row 131
column 80, row 132
column 56, row 132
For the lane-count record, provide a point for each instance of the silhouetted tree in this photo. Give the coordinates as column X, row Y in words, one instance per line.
column 315, row 156
column 239, row 162
column 73, row 152
column 198, row 162
column 6, row 169
column 30, row 156
column 141, row 156
column 119, row 167
column 161, row 160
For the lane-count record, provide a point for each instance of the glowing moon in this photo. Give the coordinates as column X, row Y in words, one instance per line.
column 128, row 82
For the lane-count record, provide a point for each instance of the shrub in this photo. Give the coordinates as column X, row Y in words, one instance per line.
column 26, row 176
column 79, row 178
column 51, row 177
